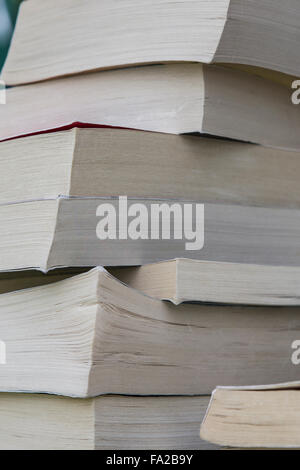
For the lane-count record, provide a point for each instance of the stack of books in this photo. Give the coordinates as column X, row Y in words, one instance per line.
column 116, row 327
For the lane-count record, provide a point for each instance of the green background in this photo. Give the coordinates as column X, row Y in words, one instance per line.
column 8, row 14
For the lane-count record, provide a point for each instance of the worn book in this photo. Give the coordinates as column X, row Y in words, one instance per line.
column 61, row 37
column 187, row 280
column 175, row 99
column 90, row 335
column 265, row 417
column 108, row 162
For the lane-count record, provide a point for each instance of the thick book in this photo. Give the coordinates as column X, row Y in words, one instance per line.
column 82, row 232
column 108, row 162
column 91, row 335
column 45, row 422
column 61, row 37
column 265, row 417
column 176, row 99
column 187, row 280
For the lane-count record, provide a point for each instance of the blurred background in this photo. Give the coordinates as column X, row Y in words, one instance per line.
column 8, row 15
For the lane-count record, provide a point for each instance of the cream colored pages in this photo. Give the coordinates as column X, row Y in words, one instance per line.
column 128, row 32
column 47, row 422
column 36, row 167
column 254, row 417
column 99, row 162
column 110, row 33
column 187, row 280
column 272, row 119
column 27, row 233
column 174, row 99
column 155, row 98
column 237, row 283
column 262, row 33
column 107, row 338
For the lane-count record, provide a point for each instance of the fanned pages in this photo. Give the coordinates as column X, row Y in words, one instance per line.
column 119, row 33
column 91, row 335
